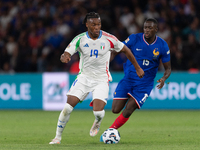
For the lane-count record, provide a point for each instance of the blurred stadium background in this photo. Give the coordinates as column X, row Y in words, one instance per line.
column 33, row 35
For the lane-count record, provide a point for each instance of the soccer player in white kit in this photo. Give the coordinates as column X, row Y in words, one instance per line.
column 94, row 48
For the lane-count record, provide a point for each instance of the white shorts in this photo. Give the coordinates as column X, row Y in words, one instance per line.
column 82, row 86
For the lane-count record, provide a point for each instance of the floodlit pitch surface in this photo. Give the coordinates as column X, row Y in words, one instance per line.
column 145, row 130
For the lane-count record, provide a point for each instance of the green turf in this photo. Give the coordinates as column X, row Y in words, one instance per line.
column 145, row 130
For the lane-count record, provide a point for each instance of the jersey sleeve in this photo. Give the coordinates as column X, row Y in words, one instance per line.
column 115, row 44
column 129, row 41
column 165, row 53
column 118, row 45
column 73, row 46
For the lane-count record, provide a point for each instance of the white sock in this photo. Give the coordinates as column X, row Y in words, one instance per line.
column 99, row 115
column 63, row 119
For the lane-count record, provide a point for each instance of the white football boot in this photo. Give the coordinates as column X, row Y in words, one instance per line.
column 95, row 128
column 55, row 141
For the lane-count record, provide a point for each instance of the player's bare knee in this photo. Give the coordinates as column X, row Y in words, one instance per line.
column 115, row 111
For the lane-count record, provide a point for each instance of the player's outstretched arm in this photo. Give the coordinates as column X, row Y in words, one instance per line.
column 131, row 57
column 65, row 57
column 167, row 73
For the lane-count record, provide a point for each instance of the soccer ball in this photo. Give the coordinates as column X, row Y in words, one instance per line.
column 111, row 136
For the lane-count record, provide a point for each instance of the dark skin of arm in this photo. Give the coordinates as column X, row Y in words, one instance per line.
column 167, row 73
column 131, row 57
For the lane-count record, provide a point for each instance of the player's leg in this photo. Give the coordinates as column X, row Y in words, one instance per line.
column 77, row 92
column 100, row 95
column 120, row 96
column 136, row 100
column 120, row 99
column 118, row 105
column 131, row 106
column 99, row 113
column 64, row 116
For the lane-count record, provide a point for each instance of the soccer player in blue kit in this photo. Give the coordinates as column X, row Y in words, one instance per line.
column 133, row 91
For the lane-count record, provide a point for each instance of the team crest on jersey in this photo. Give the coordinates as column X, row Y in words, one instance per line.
column 102, row 46
column 68, row 46
column 155, row 52
column 127, row 40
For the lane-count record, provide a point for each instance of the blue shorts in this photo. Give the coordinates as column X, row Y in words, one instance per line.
column 139, row 91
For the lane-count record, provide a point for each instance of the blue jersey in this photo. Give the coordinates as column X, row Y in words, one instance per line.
column 147, row 55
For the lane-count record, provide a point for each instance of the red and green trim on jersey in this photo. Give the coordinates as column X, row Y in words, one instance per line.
column 109, row 35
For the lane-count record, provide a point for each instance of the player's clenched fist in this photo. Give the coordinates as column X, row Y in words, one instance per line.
column 65, row 57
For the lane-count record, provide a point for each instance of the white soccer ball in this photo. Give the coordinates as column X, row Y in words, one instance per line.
column 111, row 136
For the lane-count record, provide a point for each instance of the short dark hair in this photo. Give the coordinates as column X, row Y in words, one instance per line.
column 90, row 15
column 152, row 20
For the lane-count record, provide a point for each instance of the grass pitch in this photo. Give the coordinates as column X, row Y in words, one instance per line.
column 145, row 130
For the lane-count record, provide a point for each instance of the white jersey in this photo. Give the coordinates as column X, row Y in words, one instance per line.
column 95, row 54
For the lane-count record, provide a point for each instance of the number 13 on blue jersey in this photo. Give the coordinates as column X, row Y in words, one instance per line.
column 94, row 52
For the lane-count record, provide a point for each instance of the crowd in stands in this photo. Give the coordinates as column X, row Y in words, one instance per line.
column 34, row 33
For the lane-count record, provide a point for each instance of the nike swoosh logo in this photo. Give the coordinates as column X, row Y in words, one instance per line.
column 137, row 49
